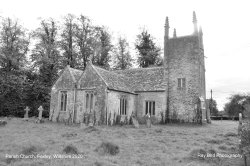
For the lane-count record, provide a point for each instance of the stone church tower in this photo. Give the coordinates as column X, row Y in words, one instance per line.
column 185, row 76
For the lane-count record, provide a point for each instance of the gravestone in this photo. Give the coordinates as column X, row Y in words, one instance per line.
column 240, row 124
column 135, row 122
column 26, row 115
column 82, row 125
column 148, row 120
column 40, row 115
column 122, row 120
column 91, row 124
column 240, row 118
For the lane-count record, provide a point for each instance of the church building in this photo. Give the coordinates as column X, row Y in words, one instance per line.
column 176, row 90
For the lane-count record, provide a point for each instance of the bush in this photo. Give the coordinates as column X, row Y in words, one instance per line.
column 70, row 149
column 108, row 148
column 154, row 120
column 32, row 149
column 141, row 120
column 245, row 138
column 3, row 122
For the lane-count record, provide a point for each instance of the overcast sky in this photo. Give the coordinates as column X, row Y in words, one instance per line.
column 225, row 24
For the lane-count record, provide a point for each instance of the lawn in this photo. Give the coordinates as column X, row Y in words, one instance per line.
column 174, row 145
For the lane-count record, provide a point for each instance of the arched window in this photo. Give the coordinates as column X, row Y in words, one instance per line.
column 87, row 101
column 63, row 100
column 150, row 108
column 123, row 106
column 91, row 101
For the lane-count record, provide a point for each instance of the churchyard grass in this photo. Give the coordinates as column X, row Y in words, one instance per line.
column 173, row 144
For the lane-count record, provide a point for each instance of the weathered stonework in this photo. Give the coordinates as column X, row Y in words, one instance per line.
column 184, row 58
column 160, row 104
column 173, row 100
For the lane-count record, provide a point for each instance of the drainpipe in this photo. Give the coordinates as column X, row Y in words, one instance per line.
column 107, row 106
column 74, row 102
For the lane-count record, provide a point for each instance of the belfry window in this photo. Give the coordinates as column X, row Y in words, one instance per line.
column 181, row 83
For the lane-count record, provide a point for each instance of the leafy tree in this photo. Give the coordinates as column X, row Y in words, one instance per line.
column 47, row 59
column 46, row 55
column 102, row 47
column 68, row 40
column 149, row 53
column 12, row 93
column 123, row 59
column 85, row 37
column 14, row 43
column 235, row 104
column 212, row 105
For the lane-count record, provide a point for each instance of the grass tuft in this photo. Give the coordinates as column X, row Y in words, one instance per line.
column 214, row 141
column 69, row 135
column 158, row 130
column 108, row 148
column 3, row 122
column 97, row 163
column 70, row 149
column 222, row 147
column 196, row 153
column 31, row 150
column 90, row 129
column 231, row 134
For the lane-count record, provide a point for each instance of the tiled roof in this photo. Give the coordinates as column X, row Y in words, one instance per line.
column 114, row 81
column 131, row 80
column 145, row 79
column 76, row 73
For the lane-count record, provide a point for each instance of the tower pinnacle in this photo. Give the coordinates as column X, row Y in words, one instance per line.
column 166, row 28
column 174, row 35
column 200, row 31
column 195, row 23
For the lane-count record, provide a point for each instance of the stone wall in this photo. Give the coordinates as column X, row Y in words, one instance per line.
column 184, row 61
column 91, row 81
column 64, row 83
column 158, row 97
column 114, row 102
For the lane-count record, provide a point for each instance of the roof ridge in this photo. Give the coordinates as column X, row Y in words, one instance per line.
column 94, row 67
column 111, row 72
column 75, row 69
column 147, row 68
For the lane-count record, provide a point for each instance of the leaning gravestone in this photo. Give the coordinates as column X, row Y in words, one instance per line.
column 27, row 109
column 135, row 122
